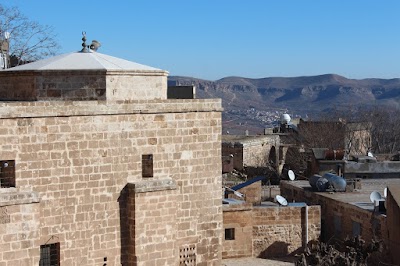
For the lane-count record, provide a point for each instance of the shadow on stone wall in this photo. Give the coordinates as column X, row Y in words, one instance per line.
column 277, row 249
column 126, row 207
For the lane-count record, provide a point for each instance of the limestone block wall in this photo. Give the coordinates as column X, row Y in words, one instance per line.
column 136, row 86
column 79, row 157
column 53, row 85
column 280, row 231
column 269, row 231
column 256, row 152
column 18, row 87
column 19, row 229
column 70, row 85
column 238, row 218
column 340, row 217
column 252, row 193
column 237, row 152
column 83, row 86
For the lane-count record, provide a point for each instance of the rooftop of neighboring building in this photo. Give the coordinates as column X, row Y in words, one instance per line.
column 360, row 197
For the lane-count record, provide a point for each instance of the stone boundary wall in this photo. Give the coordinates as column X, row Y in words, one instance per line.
column 281, row 231
column 266, row 232
column 373, row 225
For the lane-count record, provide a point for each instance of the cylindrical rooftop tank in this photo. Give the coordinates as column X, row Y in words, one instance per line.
column 334, row 154
column 313, row 181
column 322, row 184
column 285, row 119
column 337, row 182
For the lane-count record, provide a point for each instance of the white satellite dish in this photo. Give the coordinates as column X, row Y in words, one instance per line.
column 374, row 196
column 385, row 192
column 285, row 118
column 6, row 35
column 281, row 200
column 291, row 175
column 237, row 193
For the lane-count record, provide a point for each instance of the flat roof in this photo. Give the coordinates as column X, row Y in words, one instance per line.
column 359, row 198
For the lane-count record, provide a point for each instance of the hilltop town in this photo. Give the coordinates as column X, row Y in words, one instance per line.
column 105, row 161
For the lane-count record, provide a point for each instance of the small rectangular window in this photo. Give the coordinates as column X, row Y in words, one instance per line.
column 356, row 228
column 147, row 165
column 337, row 221
column 230, row 234
column 7, row 174
column 50, row 255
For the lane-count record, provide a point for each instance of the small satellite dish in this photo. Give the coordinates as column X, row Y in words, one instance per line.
column 238, row 194
column 285, row 118
column 385, row 192
column 374, row 196
column 291, row 175
column 281, row 200
column 6, row 35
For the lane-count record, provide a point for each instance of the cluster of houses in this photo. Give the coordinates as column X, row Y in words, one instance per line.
column 102, row 164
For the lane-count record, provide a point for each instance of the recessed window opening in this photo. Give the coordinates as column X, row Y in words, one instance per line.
column 230, row 234
column 7, row 174
column 50, row 255
column 147, row 165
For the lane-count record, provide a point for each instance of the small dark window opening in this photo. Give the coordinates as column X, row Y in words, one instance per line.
column 356, row 228
column 50, row 255
column 147, row 165
column 230, row 234
column 7, row 174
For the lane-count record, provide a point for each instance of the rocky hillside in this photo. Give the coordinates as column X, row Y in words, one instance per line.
column 298, row 95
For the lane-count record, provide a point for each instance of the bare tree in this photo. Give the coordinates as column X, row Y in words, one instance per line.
column 29, row 40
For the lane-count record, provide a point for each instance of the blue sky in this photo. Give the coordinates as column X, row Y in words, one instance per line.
column 211, row 39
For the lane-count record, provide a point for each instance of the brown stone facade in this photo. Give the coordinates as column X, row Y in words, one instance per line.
column 253, row 151
column 393, row 219
column 82, row 85
column 83, row 160
column 340, row 220
column 266, row 232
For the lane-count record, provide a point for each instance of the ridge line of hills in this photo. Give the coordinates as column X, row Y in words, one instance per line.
column 301, row 96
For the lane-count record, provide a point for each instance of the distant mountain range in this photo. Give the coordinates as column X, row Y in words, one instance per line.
column 298, row 95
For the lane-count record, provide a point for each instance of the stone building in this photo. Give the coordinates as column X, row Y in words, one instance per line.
column 355, row 138
column 98, row 167
column 264, row 229
column 393, row 220
column 348, row 214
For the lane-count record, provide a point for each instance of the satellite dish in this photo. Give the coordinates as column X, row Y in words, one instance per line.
column 291, row 175
column 374, row 196
column 285, row 118
column 385, row 192
column 281, row 200
column 6, row 35
column 237, row 193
